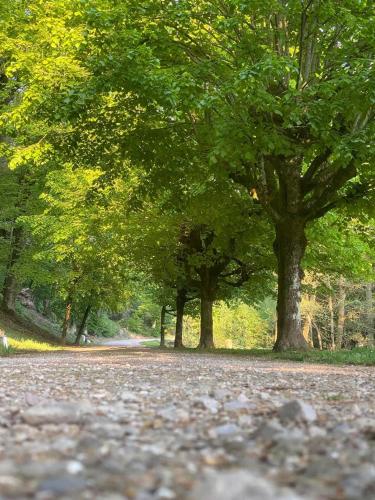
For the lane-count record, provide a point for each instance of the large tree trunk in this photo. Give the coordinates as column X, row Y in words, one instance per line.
column 206, row 340
column 370, row 326
column 207, row 296
column 82, row 325
column 67, row 318
column 9, row 290
column 341, row 313
column 162, row 326
column 290, row 247
column 180, row 306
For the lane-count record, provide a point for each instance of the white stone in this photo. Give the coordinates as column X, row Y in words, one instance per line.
column 237, row 406
column 207, row 403
column 74, row 467
column 55, row 412
column 224, row 430
column 174, row 414
column 297, row 410
column 238, row 485
column 129, row 397
column 165, row 493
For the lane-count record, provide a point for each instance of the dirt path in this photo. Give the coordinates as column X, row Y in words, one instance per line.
column 135, row 342
column 142, row 424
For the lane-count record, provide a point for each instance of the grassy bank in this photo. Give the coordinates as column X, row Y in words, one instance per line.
column 22, row 339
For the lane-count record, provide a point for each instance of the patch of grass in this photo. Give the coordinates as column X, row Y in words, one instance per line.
column 358, row 356
column 151, row 343
column 26, row 345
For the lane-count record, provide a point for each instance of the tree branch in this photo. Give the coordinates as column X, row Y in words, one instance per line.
column 314, row 207
column 313, row 169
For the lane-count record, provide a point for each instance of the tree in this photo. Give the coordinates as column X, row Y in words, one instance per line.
column 338, row 261
column 213, row 267
column 289, row 98
column 28, row 85
column 74, row 238
column 19, row 192
column 12, row 234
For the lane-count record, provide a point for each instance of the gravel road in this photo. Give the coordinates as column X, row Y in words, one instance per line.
column 143, row 424
column 129, row 342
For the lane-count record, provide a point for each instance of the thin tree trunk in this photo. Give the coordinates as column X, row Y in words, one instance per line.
column 319, row 335
column 341, row 312
column 370, row 316
column 275, row 330
column 67, row 318
column 162, row 326
column 82, row 325
column 180, row 307
column 310, row 318
column 289, row 247
column 46, row 304
column 307, row 330
column 9, row 290
column 331, row 321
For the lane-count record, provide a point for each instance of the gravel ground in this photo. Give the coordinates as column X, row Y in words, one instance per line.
column 143, row 424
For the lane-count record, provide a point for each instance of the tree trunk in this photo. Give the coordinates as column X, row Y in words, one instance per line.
column 289, row 248
column 275, row 330
column 319, row 335
column 46, row 304
column 331, row 321
column 162, row 326
column 341, row 312
column 307, row 327
column 206, row 340
column 208, row 289
column 307, row 330
column 9, row 293
column 9, row 290
column 82, row 325
column 67, row 317
column 370, row 327
column 180, row 306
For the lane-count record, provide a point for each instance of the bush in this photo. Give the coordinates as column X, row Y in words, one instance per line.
column 101, row 326
column 143, row 319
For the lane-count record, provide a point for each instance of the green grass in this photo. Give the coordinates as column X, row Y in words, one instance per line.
column 153, row 343
column 358, row 356
column 21, row 339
